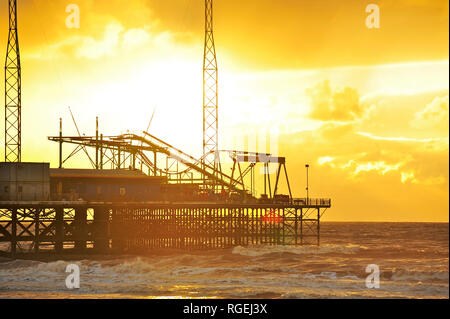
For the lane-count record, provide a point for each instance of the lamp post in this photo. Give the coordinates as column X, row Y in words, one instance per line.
column 307, row 184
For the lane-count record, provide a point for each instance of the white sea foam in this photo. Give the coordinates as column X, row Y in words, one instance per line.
column 254, row 251
column 419, row 276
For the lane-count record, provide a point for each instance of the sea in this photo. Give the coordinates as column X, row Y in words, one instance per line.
column 354, row 260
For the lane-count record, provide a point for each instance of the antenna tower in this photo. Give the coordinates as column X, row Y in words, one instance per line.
column 210, row 114
column 13, row 91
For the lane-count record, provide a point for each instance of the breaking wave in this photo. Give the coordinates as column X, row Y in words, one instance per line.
column 253, row 251
column 420, row 276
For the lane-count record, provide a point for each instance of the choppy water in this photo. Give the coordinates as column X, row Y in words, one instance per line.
column 413, row 259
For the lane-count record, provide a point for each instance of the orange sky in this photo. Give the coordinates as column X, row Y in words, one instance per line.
column 367, row 108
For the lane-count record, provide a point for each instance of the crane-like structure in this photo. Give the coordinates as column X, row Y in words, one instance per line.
column 210, row 101
column 13, row 91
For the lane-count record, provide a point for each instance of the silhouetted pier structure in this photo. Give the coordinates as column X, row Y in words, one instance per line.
column 55, row 228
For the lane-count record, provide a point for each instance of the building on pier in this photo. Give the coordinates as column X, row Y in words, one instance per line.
column 104, row 185
column 24, row 181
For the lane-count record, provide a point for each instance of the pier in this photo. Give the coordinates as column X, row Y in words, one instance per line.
column 58, row 228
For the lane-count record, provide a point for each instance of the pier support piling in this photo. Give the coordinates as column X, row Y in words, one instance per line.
column 13, row 233
column 59, row 229
column 80, row 229
column 101, row 233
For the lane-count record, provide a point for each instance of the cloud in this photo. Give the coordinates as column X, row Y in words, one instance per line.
column 342, row 105
column 135, row 37
column 406, row 176
column 380, row 166
column 435, row 114
column 335, row 131
column 88, row 47
column 399, row 177
column 357, row 165
column 326, row 159
column 245, row 31
column 399, row 139
column 114, row 40
column 360, row 156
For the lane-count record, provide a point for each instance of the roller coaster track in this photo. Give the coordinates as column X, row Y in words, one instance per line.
column 133, row 143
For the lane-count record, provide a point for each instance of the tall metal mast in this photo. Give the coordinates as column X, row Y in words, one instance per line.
column 13, row 99
column 210, row 113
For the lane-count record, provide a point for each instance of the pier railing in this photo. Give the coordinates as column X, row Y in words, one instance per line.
column 312, row 201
